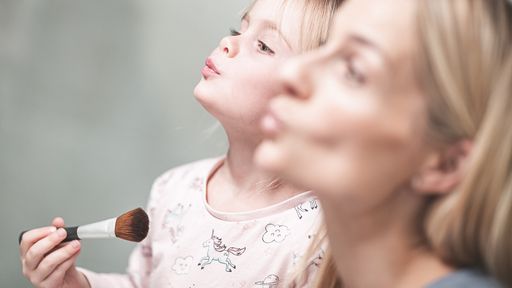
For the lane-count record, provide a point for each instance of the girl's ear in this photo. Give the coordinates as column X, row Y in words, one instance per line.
column 443, row 170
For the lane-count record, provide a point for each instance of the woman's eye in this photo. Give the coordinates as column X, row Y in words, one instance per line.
column 352, row 73
column 264, row 48
column 234, row 32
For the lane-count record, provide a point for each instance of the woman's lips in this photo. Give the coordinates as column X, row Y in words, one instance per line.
column 209, row 69
column 270, row 125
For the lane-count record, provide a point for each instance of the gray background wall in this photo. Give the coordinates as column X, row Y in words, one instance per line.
column 95, row 102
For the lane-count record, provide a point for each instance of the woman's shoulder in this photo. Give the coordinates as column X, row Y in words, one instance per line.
column 466, row 278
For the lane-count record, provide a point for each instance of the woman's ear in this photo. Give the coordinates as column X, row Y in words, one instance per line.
column 443, row 170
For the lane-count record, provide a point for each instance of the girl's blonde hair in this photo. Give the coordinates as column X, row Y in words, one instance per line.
column 466, row 62
column 316, row 21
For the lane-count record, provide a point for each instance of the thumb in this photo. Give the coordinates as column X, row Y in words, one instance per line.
column 58, row 222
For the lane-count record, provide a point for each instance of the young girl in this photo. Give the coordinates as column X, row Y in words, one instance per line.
column 402, row 129
column 218, row 222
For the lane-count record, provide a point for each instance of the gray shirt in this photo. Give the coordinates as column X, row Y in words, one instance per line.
column 465, row 278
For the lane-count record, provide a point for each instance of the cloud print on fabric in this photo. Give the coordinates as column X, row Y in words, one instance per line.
column 275, row 233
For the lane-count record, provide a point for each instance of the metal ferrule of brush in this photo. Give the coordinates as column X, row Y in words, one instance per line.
column 102, row 229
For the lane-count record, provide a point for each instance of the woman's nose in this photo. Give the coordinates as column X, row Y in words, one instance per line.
column 229, row 46
column 297, row 76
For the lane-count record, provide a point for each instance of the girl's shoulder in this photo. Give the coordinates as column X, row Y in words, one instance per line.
column 181, row 180
column 200, row 168
column 466, row 278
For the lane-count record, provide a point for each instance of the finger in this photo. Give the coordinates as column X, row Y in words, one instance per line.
column 55, row 278
column 53, row 260
column 58, row 222
column 32, row 236
column 36, row 253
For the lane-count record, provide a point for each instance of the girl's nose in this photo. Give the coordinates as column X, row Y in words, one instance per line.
column 229, row 46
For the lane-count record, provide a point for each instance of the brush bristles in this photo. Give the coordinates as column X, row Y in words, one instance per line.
column 132, row 225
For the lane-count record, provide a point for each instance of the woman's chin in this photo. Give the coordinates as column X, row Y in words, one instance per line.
column 269, row 157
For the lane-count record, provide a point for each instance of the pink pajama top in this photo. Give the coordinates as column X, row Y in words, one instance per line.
column 190, row 244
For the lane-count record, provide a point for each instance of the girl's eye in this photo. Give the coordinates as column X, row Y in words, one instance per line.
column 264, row 48
column 234, row 32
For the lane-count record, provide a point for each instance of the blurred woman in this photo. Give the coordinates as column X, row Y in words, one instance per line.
column 401, row 125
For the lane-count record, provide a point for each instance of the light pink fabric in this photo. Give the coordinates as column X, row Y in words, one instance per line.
column 192, row 245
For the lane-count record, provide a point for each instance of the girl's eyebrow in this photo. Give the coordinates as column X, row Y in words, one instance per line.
column 245, row 17
column 268, row 25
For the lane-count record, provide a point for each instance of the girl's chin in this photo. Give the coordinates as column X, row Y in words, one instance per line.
column 204, row 98
column 199, row 91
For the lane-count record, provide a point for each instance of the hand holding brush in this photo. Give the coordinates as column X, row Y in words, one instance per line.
column 132, row 226
column 48, row 259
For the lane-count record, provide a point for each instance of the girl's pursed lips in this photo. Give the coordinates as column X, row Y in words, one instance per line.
column 209, row 69
column 209, row 63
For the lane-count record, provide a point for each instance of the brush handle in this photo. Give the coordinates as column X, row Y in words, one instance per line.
column 72, row 234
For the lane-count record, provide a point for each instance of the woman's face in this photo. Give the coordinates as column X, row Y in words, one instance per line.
column 353, row 120
column 240, row 75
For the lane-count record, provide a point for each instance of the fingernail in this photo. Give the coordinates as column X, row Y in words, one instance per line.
column 61, row 232
column 53, row 229
column 75, row 244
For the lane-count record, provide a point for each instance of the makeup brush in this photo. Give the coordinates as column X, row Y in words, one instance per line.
column 132, row 226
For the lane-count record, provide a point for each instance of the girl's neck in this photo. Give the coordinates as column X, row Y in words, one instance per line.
column 240, row 169
column 378, row 249
column 239, row 185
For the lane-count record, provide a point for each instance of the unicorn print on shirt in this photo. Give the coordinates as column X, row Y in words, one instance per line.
column 172, row 221
column 299, row 209
column 217, row 251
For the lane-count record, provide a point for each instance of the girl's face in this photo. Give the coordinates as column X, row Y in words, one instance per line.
column 352, row 120
column 239, row 77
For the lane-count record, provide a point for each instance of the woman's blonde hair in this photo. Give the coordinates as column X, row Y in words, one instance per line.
column 466, row 47
column 466, row 71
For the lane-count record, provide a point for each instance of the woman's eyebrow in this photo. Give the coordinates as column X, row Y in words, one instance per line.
column 370, row 45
